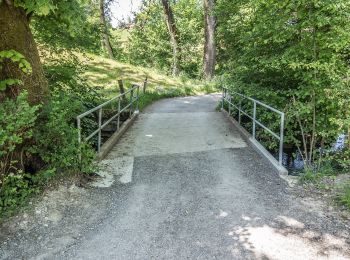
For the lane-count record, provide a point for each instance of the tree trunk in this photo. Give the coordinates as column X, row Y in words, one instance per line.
column 15, row 34
column 122, row 90
column 105, row 37
column 209, row 45
column 174, row 36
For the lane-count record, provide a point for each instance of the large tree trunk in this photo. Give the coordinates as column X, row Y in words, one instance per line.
column 209, row 46
column 15, row 34
column 174, row 36
column 105, row 37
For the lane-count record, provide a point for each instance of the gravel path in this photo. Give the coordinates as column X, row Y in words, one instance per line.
column 181, row 184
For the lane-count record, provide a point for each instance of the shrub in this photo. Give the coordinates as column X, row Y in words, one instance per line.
column 37, row 142
column 17, row 119
column 15, row 190
column 57, row 138
column 344, row 195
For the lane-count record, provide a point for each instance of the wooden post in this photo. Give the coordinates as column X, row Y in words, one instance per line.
column 145, row 85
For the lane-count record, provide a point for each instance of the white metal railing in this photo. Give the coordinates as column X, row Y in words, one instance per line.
column 135, row 89
column 227, row 97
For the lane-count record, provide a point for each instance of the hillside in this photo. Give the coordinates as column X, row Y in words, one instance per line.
column 104, row 73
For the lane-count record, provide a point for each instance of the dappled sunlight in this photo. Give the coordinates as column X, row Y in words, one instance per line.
column 105, row 73
column 286, row 238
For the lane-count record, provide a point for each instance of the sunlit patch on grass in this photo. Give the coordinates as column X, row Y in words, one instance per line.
column 105, row 73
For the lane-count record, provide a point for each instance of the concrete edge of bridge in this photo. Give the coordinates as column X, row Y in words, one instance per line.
column 256, row 145
column 108, row 146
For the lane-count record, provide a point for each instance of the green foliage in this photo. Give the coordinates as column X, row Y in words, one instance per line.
column 294, row 56
column 47, row 136
column 15, row 190
column 341, row 160
column 40, row 7
column 17, row 119
column 65, row 76
column 149, row 43
column 73, row 25
column 315, row 175
column 343, row 196
column 151, row 96
column 56, row 145
column 23, row 65
column 56, row 137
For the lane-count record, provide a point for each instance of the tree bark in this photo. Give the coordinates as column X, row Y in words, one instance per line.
column 174, row 35
column 104, row 31
column 15, row 34
column 209, row 45
column 122, row 90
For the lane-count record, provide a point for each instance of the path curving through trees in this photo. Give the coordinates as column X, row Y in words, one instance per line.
column 183, row 184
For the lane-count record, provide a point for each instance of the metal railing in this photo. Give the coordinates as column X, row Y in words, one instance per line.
column 134, row 97
column 227, row 96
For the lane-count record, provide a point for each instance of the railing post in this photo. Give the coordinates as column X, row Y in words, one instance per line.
column 118, row 114
column 239, row 111
column 223, row 98
column 137, row 97
column 79, row 130
column 131, row 100
column 145, row 85
column 79, row 136
column 99, row 130
column 280, row 157
column 229, row 106
column 254, row 119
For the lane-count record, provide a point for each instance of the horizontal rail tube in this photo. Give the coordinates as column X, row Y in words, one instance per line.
column 98, row 108
column 227, row 97
column 92, row 135
column 106, row 103
column 267, row 129
column 258, row 102
column 257, row 121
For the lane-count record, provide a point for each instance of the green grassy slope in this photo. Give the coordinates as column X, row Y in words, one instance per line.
column 104, row 74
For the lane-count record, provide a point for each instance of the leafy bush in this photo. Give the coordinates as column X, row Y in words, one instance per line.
column 295, row 57
column 344, row 195
column 64, row 76
column 39, row 141
column 15, row 57
column 341, row 160
column 15, row 189
column 17, row 120
column 57, row 137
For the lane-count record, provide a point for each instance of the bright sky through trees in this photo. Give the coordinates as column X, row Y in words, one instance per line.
column 123, row 9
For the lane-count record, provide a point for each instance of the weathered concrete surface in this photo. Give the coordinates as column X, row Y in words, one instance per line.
column 190, row 189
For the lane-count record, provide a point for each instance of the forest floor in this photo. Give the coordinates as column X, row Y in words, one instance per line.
column 181, row 184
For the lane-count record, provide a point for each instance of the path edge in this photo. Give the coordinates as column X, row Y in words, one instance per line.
column 256, row 145
column 111, row 142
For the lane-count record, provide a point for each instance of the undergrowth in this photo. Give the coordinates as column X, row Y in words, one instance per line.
column 343, row 196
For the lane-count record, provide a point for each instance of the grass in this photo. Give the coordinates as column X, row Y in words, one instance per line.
column 104, row 74
column 328, row 181
column 343, row 196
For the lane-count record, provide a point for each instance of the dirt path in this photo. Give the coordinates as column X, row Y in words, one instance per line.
column 181, row 184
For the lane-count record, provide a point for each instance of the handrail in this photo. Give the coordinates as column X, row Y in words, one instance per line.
column 227, row 96
column 99, row 108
